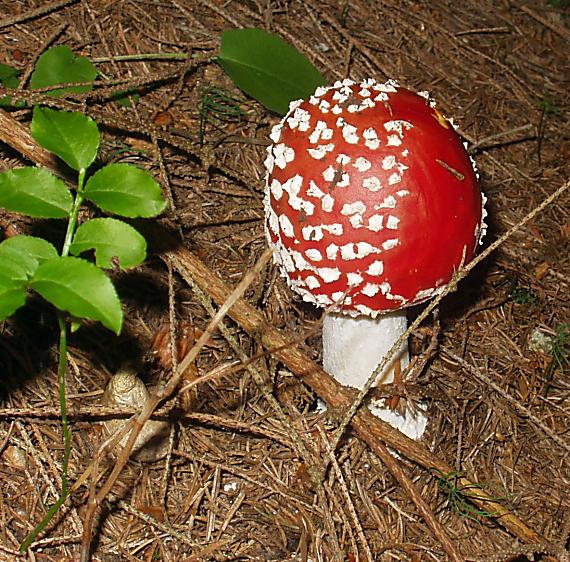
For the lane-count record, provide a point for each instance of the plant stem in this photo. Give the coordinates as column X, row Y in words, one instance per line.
column 72, row 222
column 62, row 368
column 145, row 56
column 61, row 371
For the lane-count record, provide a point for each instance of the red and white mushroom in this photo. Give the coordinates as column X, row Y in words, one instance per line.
column 371, row 202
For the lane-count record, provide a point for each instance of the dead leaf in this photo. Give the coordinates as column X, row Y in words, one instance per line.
column 541, row 270
column 163, row 119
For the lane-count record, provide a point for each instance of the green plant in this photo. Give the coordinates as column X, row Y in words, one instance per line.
column 73, row 284
column 460, row 498
column 522, row 295
column 560, row 353
column 8, row 79
column 217, row 104
column 267, row 68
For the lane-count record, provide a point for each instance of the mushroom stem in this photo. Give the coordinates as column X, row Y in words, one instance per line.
column 354, row 346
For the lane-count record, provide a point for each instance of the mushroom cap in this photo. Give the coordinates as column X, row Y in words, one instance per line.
column 371, row 198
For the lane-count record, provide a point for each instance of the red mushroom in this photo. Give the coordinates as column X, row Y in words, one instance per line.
column 371, row 202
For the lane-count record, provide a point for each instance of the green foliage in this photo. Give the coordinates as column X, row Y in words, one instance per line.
column 523, row 295
column 34, row 192
column 73, row 284
column 72, row 136
column 80, row 288
column 217, row 104
column 28, row 252
column 9, row 79
column 267, row 68
column 112, row 240
column 12, row 293
column 59, row 65
column 126, row 191
column 460, row 497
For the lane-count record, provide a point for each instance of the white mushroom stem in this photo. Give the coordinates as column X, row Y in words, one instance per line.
column 352, row 349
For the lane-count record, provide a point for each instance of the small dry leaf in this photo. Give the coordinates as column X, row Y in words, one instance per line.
column 535, row 231
column 15, row 457
column 565, row 230
column 155, row 511
column 139, row 144
column 163, row 119
column 186, row 336
column 18, row 55
column 523, row 388
column 160, row 345
column 541, row 270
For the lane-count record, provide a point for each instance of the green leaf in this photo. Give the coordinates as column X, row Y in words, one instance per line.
column 12, row 296
column 80, row 288
column 13, row 280
column 27, row 251
column 59, row 65
column 267, row 68
column 111, row 239
column 9, row 75
column 123, row 98
column 9, row 79
column 13, row 269
column 72, row 136
column 34, row 192
column 125, row 190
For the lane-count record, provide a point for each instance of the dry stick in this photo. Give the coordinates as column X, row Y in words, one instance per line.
column 162, row 393
column 96, row 412
column 19, row 138
column 32, row 14
column 470, row 368
column 167, row 529
column 562, row 31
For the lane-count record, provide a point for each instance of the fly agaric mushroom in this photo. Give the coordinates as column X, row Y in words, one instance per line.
column 371, row 204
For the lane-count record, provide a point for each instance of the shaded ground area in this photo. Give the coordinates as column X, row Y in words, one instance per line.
column 234, row 485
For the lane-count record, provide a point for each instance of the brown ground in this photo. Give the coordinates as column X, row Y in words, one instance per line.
column 234, row 486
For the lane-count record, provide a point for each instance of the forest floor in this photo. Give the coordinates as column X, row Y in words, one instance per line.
column 242, row 477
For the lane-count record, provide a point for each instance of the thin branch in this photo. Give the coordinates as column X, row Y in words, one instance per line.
column 39, row 12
